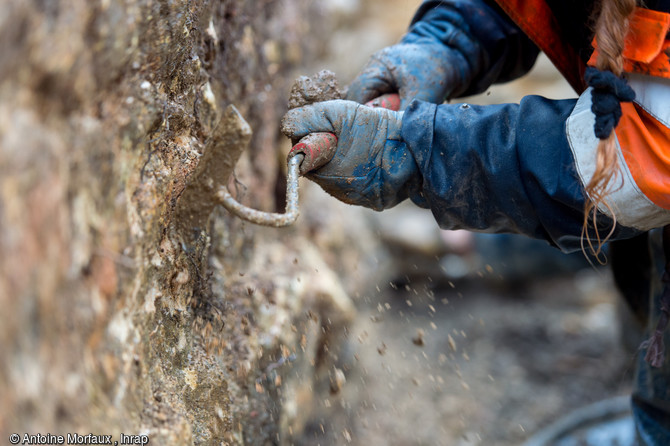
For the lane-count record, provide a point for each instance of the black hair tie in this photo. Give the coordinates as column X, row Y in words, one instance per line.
column 608, row 92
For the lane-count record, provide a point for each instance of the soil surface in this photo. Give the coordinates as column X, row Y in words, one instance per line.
column 322, row 86
column 476, row 363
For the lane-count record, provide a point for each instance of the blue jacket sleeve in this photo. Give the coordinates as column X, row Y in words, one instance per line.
column 493, row 48
column 500, row 168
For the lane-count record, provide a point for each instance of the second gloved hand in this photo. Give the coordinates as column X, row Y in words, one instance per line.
column 371, row 166
column 424, row 71
column 435, row 60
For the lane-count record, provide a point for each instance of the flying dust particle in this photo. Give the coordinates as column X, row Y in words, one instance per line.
column 337, row 380
column 452, row 343
column 418, row 339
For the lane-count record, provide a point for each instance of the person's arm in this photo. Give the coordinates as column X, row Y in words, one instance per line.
column 452, row 48
column 500, row 168
column 494, row 168
column 508, row 53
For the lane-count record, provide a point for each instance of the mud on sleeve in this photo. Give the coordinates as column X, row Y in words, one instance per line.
column 500, row 168
column 492, row 48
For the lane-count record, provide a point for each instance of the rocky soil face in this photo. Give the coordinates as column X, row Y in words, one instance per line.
column 128, row 305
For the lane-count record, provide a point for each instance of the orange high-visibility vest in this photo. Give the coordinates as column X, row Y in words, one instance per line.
column 642, row 134
column 647, row 48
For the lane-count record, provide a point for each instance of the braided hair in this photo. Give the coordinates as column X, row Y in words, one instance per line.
column 608, row 88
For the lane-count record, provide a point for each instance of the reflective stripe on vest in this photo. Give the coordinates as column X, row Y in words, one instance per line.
column 643, row 133
column 644, row 136
column 642, row 196
column 631, row 200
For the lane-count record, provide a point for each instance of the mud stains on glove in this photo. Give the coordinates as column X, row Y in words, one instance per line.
column 414, row 71
column 371, row 166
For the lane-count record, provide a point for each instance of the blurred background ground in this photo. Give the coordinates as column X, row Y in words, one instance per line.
column 481, row 343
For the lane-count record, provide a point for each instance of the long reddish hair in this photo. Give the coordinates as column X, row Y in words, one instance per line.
column 610, row 32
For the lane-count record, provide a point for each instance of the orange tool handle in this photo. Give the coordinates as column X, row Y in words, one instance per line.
column 319, row 148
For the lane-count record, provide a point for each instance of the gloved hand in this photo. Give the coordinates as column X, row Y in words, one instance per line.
column 434, row 60
column 371, row 166
column 415, row 71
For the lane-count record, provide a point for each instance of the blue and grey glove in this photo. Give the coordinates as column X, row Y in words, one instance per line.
column 435, row 60
column 371, row 166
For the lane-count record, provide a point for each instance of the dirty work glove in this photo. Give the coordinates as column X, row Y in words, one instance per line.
column 371, row 166
column 435, row 60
